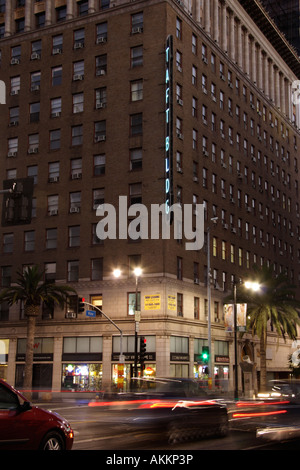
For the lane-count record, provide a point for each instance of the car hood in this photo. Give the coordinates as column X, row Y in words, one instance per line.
column 48, row 413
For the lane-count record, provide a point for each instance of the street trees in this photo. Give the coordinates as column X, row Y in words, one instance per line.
column 32, row 289
column 273, row 305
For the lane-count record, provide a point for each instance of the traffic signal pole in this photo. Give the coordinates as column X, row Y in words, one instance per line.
column 210, row 372
column 121, row 356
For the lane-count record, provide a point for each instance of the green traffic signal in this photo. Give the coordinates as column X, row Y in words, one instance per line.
column 205, row 354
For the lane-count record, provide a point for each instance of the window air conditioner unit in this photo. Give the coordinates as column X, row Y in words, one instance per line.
column 100, row 105
column 100, row 40
column 35, row 56
column 33, row 150
column 76, row 176
column 99, row 138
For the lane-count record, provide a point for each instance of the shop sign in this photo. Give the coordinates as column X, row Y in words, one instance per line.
column 179, row 357
column 88, row 357
column 152, row 302
column 171, row 302
column 224, row 359
column 36, row 357
column 130, row 357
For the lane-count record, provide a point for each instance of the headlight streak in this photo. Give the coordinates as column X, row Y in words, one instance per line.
column 152, row 404
column 255, row 415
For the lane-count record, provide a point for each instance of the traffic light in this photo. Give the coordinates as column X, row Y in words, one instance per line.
column 143, row 347
column 80, row 305
column 205, row 354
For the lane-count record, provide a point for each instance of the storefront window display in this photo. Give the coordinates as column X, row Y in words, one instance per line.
column 4, row 344
column 3, row 371
column 81, row 377
column 122, row 372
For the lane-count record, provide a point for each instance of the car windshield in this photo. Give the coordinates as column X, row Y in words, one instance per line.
column 8, row 399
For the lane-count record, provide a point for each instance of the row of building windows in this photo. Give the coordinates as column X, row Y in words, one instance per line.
column 229, row 221
column 136, row 94
column 248, row 98
column 94, row 344
column 57, row 44
column 76, row 133
column 221, row 249
column 199, row 313
column 78, row 71
column 40, row 16
column 137, row 60
column 137, row 25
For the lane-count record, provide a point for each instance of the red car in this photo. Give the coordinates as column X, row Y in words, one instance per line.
column 24, row 426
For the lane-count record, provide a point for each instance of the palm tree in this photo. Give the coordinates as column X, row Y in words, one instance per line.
column 274, row 304
column 31, row 289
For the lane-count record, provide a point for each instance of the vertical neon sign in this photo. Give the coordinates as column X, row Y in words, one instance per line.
column 169, row 128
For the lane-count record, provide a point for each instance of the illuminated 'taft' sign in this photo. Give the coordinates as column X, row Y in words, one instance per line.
column 169, row 127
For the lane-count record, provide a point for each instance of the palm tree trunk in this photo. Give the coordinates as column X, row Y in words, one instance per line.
column 31, row 314
column 263, row 363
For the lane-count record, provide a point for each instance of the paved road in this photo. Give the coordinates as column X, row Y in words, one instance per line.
column 100, row 429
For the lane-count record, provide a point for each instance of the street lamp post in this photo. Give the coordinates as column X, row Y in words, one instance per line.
column 236, row 392
column 255, row 287
column 137, row 272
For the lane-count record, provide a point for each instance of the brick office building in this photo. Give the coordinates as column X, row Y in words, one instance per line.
column 85, row 116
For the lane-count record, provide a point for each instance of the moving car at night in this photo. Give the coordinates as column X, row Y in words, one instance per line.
column 175, row 408
column 24, row 426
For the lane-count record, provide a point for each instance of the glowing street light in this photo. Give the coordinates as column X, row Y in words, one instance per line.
column 255, row 286
column 137, row 272
column 117, row 272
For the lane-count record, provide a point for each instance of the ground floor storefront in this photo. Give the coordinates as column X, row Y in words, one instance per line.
column 92, row 357
column 92, row 363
